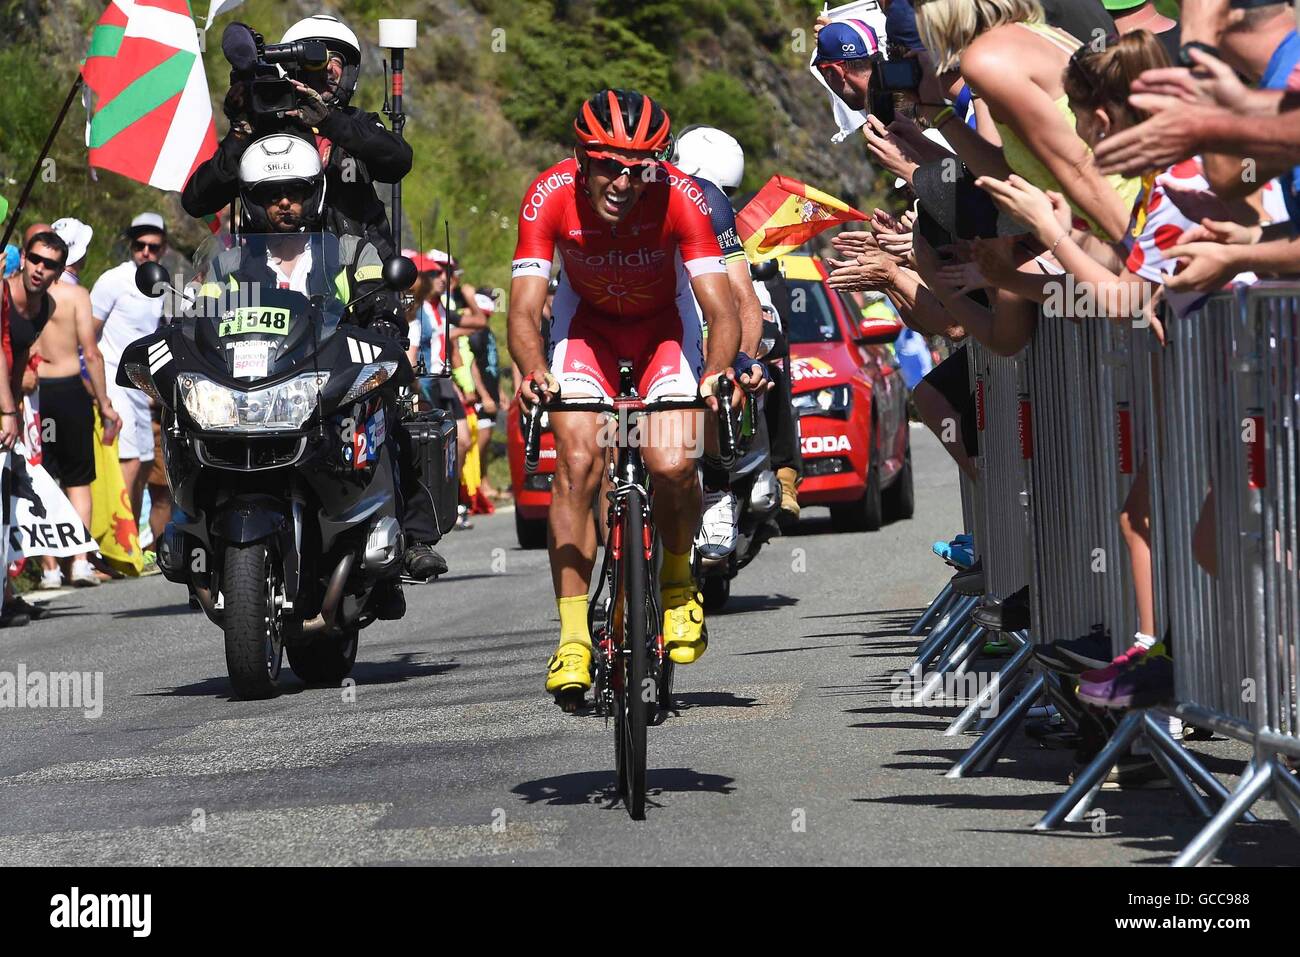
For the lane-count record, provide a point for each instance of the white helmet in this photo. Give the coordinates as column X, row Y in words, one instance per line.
column 337, row 37
column 332, row 31
column 280, row 158
column 710, row 154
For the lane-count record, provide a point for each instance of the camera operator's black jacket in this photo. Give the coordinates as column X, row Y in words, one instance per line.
column 361, row 142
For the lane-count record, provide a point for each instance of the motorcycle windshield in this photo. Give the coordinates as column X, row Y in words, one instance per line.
column 265, row 302
column 307, row 264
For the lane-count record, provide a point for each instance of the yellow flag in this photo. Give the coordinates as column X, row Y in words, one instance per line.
column 112, row 521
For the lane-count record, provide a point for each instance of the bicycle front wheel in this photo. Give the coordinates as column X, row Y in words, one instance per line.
column 640, row 696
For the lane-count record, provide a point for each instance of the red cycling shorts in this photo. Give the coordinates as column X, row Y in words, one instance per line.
column 666, row 350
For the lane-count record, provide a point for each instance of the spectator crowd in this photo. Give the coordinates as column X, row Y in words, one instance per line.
column 1081, row 161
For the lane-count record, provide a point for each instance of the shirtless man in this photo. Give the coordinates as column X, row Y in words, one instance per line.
column 26, row 307
column 67, row 415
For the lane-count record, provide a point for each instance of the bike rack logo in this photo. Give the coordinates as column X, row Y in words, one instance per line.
column 75, row 910
column 79, row 690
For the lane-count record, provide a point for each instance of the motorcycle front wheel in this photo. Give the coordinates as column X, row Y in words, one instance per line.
column 252, row 620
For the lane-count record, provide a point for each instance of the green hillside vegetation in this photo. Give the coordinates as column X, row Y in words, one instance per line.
column 491, row 91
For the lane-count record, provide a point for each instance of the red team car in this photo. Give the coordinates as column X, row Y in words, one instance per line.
column 851, row 401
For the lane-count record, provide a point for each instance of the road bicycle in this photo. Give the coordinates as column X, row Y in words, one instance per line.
column 632, row 675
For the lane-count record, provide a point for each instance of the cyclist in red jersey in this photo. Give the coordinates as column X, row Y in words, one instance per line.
column 634, row 241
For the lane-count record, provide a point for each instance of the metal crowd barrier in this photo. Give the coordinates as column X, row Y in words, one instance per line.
column 1076, row 449
column 992, row 512
column 1236, row 657
column 1214, row 409
column 946, row 599
column 1065, row 430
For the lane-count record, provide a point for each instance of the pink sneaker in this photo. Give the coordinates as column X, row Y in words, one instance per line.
column 1112, row 670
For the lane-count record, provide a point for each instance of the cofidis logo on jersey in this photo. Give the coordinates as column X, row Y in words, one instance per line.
column 688, row 188
column 620, row 259
column 533, row 205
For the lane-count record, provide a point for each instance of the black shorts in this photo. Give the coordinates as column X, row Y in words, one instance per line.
column 951, row 378
column 67, row 431
column 441, row 393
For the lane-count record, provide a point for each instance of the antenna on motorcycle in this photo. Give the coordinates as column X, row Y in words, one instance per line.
column 446, row 326
column 396, row 36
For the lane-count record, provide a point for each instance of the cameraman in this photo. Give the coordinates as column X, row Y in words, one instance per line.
column 355, row 147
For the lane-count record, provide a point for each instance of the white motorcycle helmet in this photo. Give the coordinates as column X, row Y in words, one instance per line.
column 278, row 159
column 710, row 154
column 338, row 38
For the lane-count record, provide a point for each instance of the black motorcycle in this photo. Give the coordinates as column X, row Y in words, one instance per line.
column 753, row 482
column 276, row 414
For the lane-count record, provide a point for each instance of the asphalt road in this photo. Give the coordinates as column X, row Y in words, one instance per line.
column 786, row 748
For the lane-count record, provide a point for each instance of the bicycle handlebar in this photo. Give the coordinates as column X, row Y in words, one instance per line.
column 726, row 424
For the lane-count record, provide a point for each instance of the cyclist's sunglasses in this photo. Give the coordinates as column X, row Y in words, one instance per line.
column 613, row 167
column 52, row 264
column 139, row 246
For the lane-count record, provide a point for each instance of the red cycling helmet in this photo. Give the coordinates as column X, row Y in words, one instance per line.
column 621, row 120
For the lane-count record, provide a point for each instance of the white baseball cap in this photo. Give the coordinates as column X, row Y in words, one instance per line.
column 486, row 302
column 77, row 235
column 147, row 223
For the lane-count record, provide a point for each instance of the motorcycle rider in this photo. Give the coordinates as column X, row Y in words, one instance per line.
column 283, row 190
column 356, row 147
column 717, row 163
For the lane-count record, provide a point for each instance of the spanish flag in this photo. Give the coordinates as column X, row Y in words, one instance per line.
column 785, row 214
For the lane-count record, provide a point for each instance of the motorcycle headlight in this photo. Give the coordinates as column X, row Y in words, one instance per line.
column 371, row 377
column 834, row 400
column 276, row 408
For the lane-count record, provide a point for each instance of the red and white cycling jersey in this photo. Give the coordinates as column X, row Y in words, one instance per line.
column 635, row 269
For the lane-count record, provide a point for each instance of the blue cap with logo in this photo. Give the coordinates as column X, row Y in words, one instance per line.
column 846, row 40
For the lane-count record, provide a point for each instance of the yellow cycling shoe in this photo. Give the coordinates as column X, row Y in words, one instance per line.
column 685, row 637
column 569, row 670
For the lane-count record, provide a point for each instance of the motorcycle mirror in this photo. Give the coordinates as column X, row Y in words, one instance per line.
column 762, row 272
column 400, row 274
column 152, row 279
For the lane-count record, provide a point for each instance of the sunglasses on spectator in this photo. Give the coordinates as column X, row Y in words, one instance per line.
column 53, row 264
column 139, row 246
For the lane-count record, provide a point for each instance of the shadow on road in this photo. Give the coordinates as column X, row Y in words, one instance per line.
column 738, row 604
column 600, row 787
column 159, row 611
column 401, row 668
column 782, row 651
column 903, row 614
